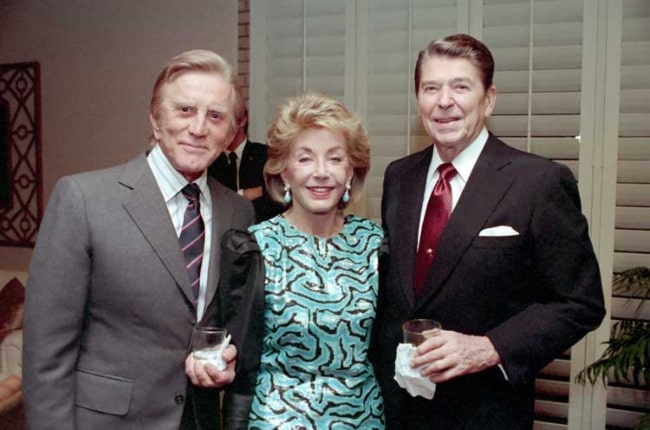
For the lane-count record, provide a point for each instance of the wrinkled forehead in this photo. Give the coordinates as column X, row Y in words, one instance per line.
column 173, row 91
column 461, row 67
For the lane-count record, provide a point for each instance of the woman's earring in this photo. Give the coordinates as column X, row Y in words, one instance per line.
column 346, row 194
column 287, row 194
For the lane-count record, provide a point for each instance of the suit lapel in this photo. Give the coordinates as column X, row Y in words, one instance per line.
column 147, row 208
column 412, row 187
column 483, row 192
column 222, row 215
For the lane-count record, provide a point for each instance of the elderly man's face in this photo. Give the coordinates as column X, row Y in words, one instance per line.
column 453, row 103
column 193, row 122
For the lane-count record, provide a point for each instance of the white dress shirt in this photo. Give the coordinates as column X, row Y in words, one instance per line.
column 171, row 182
column 463, row 163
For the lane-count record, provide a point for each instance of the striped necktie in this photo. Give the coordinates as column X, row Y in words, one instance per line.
column 193, row 236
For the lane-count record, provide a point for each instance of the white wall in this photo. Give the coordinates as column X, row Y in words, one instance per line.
column 98, row 61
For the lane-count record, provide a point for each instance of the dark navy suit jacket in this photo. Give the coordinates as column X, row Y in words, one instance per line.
column 533, row 295
column 251, row 175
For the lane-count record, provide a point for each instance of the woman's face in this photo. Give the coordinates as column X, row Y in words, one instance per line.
column 317, row 172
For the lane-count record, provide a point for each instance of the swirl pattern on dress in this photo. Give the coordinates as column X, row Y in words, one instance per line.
column 320, row 304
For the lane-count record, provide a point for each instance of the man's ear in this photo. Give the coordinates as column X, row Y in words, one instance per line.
column 154, row 126
column 490, row 100
column 243, row 122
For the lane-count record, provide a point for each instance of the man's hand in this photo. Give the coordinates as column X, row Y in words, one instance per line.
column 449, row 354
column 206, row 375
column 252, row 193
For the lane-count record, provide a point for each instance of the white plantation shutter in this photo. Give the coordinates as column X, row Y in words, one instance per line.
column 538, row 74
column 296, row 45
column 632, row 246
column 397, row 30
column 625, row 403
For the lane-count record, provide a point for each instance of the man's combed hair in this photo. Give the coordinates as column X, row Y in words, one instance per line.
column 199, row 60
column 458, row 46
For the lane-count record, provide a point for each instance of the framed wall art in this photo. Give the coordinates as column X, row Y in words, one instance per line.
column 21, row 200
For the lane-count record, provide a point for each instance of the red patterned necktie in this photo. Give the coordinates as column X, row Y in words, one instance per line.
column 193, row 236
column 435, row 219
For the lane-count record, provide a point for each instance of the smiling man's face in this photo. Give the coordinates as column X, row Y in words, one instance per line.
column 453, row 103
column 193, row 122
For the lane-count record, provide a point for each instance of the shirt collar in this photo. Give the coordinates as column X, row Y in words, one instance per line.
column 239, row 150
column 170, row 181
column 465, row 161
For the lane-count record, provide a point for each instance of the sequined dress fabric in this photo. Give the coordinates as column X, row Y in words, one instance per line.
column 320, row 304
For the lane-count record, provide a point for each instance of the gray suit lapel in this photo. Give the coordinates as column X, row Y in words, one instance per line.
column 484, row 190
column 147, row 208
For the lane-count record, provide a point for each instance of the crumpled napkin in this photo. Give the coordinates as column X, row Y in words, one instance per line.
column 409, row 378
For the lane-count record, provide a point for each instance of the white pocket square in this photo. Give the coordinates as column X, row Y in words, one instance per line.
column 498, row 231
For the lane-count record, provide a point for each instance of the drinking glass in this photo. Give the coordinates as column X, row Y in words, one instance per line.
column 208, row 343
column 417, row 331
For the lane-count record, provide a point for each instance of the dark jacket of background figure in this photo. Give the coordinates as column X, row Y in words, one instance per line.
column 534, row 295
column 251, row 175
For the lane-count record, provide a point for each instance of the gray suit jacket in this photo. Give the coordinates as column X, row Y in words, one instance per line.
column 109, row 315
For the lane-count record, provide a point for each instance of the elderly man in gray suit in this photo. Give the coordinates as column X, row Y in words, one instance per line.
column 113, row 295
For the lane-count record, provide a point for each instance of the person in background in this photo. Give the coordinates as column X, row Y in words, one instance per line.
column 241, row 168
column 499, row 255
column 127, row 263
column 300, row 292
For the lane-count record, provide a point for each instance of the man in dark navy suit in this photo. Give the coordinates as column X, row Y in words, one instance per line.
column 241, row 168
column 511, row 276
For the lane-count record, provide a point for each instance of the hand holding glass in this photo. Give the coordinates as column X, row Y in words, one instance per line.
column 208, row 344
column 417, row 331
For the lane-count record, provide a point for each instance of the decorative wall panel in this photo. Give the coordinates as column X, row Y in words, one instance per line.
column 21, row 201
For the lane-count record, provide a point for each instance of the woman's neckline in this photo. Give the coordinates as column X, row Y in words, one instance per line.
column 337, row 231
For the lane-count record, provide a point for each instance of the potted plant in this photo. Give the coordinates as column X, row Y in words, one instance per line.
column 627, row 357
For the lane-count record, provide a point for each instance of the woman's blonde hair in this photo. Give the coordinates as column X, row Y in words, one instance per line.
column 308, row 111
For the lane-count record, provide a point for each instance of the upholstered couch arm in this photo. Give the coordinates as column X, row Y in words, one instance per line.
column 12, row 302
column 11, row 350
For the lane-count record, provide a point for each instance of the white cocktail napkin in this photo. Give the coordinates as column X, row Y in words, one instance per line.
column 410, row 378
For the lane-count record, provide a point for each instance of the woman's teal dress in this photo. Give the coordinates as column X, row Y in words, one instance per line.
column 320, row 298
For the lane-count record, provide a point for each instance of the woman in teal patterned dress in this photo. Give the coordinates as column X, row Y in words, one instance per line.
column 299, row 292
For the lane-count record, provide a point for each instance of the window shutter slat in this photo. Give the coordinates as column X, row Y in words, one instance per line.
column 632, row 221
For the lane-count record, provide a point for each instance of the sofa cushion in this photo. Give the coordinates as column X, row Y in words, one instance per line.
column 12, row 304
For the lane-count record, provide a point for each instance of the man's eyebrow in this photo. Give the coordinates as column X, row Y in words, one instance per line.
column 460, row 79
column 220, row 109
